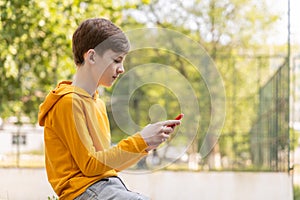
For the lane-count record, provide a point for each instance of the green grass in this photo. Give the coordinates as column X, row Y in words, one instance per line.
column 296, row 192
column 52, row 198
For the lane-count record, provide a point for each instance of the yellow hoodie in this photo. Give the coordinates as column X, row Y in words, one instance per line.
column 77, row 141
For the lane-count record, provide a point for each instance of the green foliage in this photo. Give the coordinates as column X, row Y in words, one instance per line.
column 36, row 53
column 233, row 33
column 30, row 58
column 296, row 190
column 156, row 96
column 36, row 48
column 294, row 136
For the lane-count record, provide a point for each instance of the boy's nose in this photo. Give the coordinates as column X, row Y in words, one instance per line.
column 120, row 69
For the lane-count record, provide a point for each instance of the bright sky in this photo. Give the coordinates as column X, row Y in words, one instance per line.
column 281, row 6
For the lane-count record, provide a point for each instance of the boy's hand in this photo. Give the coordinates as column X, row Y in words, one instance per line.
column 155, row 134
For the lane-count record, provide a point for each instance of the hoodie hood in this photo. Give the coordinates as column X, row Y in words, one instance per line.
column 63, row 88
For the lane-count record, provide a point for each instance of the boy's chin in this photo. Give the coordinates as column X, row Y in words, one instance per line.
column 105, row 85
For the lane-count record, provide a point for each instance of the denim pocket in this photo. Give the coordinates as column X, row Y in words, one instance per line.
column 98, row 187
column 87, row 195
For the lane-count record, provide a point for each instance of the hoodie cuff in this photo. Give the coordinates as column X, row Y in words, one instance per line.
column 134, row 144
column 141, row 143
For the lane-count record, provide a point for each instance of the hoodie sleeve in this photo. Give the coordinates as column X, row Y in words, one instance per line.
column 74, row 132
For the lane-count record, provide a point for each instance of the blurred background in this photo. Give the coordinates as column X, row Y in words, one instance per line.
column 255, row 46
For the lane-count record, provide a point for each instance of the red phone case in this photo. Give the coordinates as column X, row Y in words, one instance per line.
column 179, row 117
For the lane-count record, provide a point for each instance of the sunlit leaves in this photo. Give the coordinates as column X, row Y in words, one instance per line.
column 36, row 48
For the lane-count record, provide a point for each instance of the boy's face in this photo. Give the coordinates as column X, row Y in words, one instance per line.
column 108, row 67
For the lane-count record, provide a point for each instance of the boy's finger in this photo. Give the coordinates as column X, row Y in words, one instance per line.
column 171, row 123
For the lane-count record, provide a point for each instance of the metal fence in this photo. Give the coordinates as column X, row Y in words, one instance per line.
column 269, row 136
column 255, row 135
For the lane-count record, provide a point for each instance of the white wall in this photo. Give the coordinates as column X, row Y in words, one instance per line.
column 34, row 139
column 163, row 185
column 212, row 185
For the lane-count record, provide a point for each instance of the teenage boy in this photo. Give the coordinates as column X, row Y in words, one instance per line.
column 80, row 162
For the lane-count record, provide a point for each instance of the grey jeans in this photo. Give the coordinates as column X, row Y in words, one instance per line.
column 111, row 188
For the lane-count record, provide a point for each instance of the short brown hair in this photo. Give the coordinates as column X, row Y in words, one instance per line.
column 95, row 31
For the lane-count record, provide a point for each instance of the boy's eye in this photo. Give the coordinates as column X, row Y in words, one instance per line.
column 117, row 61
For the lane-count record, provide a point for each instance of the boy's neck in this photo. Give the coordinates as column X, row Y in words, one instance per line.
column 82, row 80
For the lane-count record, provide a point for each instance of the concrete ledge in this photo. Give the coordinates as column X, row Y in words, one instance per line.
column 211, row 185
column 32, row 184
column 24, row 184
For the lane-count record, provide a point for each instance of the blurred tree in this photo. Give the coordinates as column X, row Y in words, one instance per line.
column 36, row 48
column 233, row 32
column 22, row 57
column 36, row 53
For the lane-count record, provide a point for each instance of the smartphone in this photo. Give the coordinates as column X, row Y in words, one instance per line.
column 179, row 117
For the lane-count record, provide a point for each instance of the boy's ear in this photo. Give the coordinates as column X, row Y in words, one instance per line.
column 90, row 55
